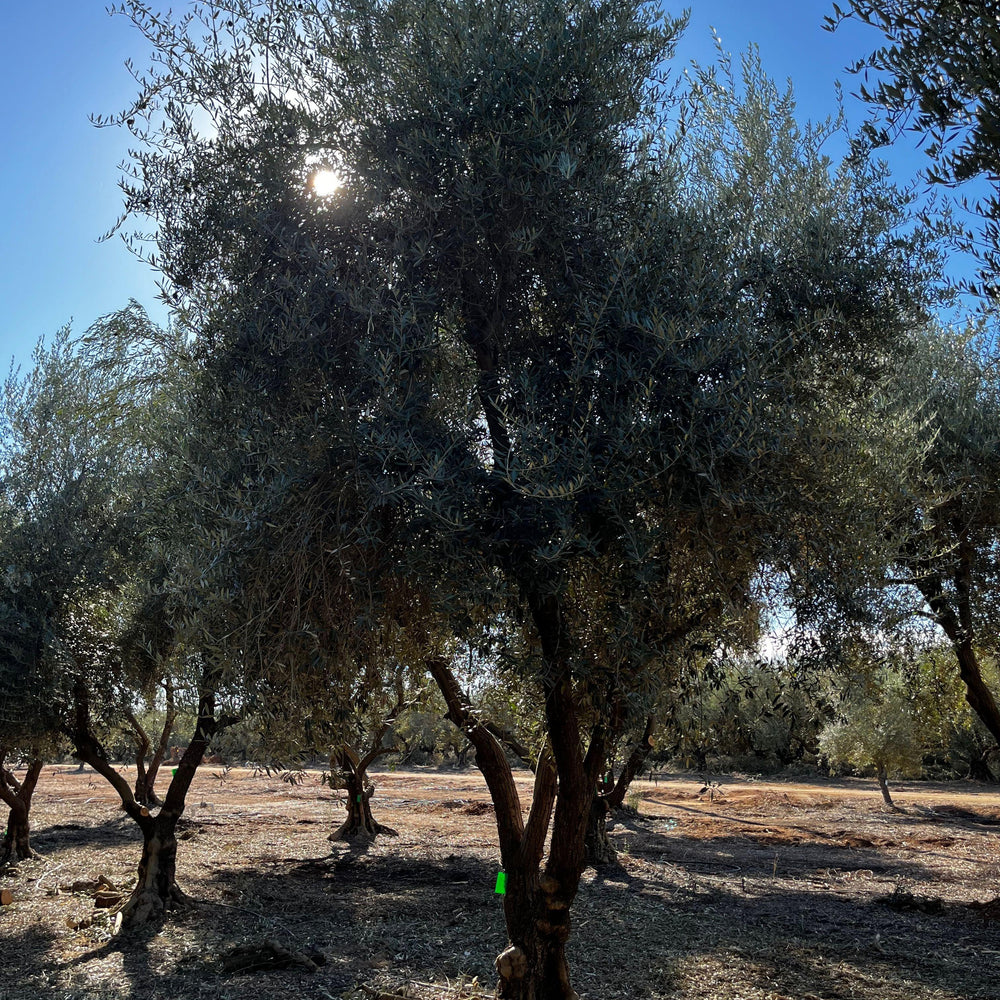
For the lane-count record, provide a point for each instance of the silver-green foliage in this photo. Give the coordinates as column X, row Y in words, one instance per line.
column 541, row 329
column 80, row 436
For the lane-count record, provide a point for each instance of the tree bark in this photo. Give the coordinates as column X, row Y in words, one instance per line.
column 536, row 904
column 599, row 850
column 351, row 770
column 957, row 624
column 883, row 785
column 633, row 765
column 609, row 797
column 17, row 795
column 537, row 901
column 534, row 966
column 156, row 890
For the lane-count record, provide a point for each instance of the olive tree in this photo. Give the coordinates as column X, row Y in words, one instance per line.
column 542, row 352
column 879, row 734
column 59, row 528
column 16, row 793
column 941, row 516
column 937, row 76
column 86, row 475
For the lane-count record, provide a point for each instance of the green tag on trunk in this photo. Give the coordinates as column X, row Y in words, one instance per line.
column 501, row 887
column 174, row 772
column 359, row 798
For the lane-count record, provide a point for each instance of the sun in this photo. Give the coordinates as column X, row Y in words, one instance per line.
column 326, row 182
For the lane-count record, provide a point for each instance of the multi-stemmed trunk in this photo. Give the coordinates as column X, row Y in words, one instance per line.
column 638, row 756
column 537, row 897
column 609, row 797
column 156, row 889
column 349, row 770
column 17, row 795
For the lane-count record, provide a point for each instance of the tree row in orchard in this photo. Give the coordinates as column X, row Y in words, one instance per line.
column 585, row 371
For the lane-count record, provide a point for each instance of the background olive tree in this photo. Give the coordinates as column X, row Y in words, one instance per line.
column 89, row 474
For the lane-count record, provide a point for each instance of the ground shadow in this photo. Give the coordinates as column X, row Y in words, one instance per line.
column 71, row 836
column 789, row 938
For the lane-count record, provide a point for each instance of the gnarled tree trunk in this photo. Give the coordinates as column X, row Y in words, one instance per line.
column 534, row 966
column 599, row 852
column 17, row 796
column 348, row 771
column 537, row 900
column 156, row 890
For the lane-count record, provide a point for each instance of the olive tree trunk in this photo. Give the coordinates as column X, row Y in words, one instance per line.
column 538, row 897
column 349, row 771
column 156, row 890
column 17, row 796
column 638, row 756
column 883, row 784
column 956, row 621
column 599, row 852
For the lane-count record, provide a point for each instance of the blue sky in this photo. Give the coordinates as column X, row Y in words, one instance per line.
column 62, row 60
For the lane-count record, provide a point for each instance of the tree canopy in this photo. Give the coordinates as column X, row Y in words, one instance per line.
column 547, row 372
column 937, row 76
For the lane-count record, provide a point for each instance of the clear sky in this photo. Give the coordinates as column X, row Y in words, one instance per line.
column 62, row 60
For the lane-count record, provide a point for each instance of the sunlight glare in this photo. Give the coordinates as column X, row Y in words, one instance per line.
column 326, row 182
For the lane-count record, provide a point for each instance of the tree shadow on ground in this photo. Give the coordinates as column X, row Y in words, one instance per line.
column 974, row 820
column 759, row 851
column 26, row 950
column 72, row 836
column 697, row 932
column 371, row 912
column 679, row 925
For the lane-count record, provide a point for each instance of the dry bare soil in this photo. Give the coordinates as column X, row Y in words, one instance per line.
column 747, row 891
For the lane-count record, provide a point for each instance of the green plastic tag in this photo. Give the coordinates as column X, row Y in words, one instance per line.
column 174, row 772
column 359, row 798
column 501, row 886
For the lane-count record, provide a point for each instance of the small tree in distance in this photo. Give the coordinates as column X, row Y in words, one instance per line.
column 879, row 729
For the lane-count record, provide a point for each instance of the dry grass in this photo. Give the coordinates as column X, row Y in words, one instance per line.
column 753, row 892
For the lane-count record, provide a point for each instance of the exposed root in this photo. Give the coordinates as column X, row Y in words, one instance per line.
column 353, row 832
column 149, row 907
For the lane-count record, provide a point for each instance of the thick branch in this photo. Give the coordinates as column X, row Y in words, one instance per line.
column 490, row 759
column 88, row 749
column 540, row 815
column 193, row 755
column 977, row 694
column 633, row 765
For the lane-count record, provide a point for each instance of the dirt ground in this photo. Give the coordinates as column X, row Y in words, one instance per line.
column 748, row 890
